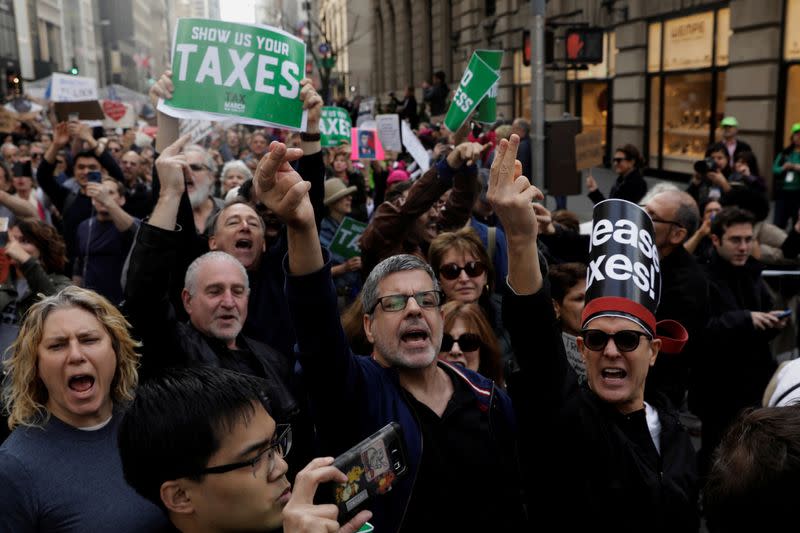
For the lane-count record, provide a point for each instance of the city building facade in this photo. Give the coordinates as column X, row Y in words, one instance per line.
column 671, row 69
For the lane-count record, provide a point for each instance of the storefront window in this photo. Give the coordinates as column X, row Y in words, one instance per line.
column 792, row 115
column 594, row 108
column 687, row 115
column 686, row 87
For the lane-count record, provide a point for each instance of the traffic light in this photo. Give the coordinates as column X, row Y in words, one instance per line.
column 74, row 70
column 584, row 45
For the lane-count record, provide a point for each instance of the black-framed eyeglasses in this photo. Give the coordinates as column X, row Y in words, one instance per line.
column 197, row 168
column 279, row 446
column 468, row 342
column 626, row 340
column 397, row 302
column 451, row 271
column 619, row 159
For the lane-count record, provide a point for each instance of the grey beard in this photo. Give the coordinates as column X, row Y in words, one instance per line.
column 199, row 195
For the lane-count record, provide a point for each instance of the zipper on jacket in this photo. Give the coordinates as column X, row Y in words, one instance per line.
column 421, row 450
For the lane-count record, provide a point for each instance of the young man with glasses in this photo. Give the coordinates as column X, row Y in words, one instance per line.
column 609, row 461
column 733, row 373
column 458, row 428
column 215, row 459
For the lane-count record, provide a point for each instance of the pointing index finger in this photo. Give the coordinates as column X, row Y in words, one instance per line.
column 176, row 147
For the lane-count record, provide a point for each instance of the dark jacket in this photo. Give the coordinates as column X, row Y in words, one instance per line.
column 684, row 297
column 631, row 187
column 582, row 457
column 391, row 229
column 351, row 397
column 39, row 282
column 436, row 97
column 168, row 342
column 738, row 363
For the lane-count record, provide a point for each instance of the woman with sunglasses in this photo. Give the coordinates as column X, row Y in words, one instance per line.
column 71, row 369
column 630, row 184
column 466, row 275
column 469, row 340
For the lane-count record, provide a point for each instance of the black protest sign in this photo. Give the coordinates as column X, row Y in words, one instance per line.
column 623, row 258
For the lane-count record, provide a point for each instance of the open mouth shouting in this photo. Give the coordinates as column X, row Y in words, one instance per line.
column 415, row 337
column 82, row 385
column 613, row 375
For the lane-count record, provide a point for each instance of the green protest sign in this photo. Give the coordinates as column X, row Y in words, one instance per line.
column 335, row 126
column 487, row 110
column 478, row 78
column 345, row 240
column 224, row 69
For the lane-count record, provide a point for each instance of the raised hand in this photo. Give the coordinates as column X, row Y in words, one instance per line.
column 61, row 135
column 467, row 153
column 591, row 184
column 512, row 197
column 162, row 88
column 312, row 102
column 173, row 169
column 281, row 189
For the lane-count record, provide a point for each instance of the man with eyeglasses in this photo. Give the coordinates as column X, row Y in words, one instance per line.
column 214, row 460
column 458, row 427
column 610, row 461
column 738, row 363
column 684, row 290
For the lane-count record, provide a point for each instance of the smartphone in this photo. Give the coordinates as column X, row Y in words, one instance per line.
column 784, row 313
column 371, row 466
column 95, row 177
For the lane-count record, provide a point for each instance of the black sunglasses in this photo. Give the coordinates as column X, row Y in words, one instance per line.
column 198, row 168
column 468, row 342
column 451, row 271
column 625, row 340
column 619, row 159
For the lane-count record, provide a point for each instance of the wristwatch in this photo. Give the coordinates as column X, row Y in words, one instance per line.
column 310, row 137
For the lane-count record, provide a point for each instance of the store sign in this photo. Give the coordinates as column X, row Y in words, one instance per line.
column 791, row 50
column 689, row 42
column 589, row 149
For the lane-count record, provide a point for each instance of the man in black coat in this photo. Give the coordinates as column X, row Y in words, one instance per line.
column 737, row 364
column 684, row 290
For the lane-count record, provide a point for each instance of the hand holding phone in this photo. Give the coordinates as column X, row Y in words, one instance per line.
column 371, row 466
column 783, row 314
column 95, row 176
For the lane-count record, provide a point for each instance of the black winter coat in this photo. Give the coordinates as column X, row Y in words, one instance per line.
column 590, row 466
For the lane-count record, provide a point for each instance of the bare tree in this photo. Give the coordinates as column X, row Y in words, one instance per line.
column 325, row 62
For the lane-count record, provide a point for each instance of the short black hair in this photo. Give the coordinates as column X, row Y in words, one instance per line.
column 728, row 217
column 175, row 423
column 86, row 153
column 563, row 277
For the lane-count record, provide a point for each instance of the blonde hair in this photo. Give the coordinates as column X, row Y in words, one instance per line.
column 25, row 395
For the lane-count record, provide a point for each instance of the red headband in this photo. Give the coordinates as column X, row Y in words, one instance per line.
column 672, row 334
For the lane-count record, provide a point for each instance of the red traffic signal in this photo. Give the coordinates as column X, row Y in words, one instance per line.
column 584, row 45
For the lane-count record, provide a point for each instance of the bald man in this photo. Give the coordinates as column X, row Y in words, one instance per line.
column 684, row 290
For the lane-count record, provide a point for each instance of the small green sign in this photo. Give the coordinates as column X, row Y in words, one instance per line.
column 487, row 110
column 476, row 82
column 225, row 69
column 335, row 126
column 345, row 240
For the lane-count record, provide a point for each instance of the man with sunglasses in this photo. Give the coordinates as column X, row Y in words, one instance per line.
column 215, row 460
column 458, row 428
column 609, row 460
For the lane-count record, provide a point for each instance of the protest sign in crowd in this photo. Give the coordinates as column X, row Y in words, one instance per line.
column 240, row 307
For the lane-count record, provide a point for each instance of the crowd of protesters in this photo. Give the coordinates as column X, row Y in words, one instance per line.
column 176, row 317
